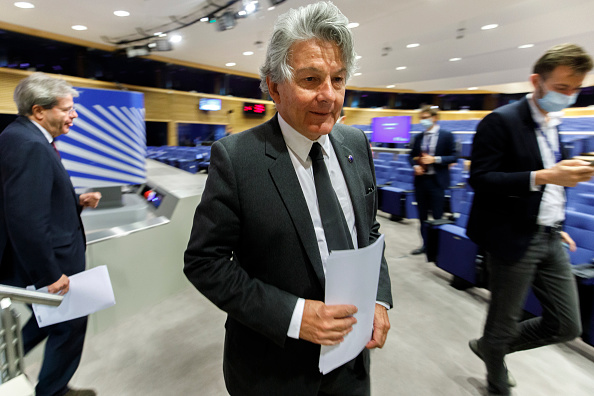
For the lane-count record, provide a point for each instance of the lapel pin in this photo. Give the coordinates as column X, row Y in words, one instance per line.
column 350, row 157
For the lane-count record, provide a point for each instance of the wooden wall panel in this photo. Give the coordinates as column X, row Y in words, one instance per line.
column 182, row 107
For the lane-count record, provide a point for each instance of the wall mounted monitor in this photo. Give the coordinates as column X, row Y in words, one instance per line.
column 395, row 129
column 209, row 104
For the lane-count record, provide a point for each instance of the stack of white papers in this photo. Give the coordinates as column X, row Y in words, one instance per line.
column 351, row 278
column 89, row 291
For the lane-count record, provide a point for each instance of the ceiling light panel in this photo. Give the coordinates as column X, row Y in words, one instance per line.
column 489, row 27
column 24, row 4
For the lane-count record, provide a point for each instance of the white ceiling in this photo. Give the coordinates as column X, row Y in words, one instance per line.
column 491, row 59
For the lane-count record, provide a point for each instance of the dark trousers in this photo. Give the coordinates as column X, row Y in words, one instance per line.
column 430, row 197
column 62, row 354
column 545, row 266
column 351, row 379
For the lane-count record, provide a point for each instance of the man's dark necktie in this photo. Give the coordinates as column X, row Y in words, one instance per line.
column 56, row 149
column 335, row 226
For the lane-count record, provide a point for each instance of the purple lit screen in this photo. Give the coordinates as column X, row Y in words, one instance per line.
column 394, row 129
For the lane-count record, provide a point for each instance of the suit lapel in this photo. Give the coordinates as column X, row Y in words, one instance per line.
column 287, row 184
column 529, row 126
column 353, row 182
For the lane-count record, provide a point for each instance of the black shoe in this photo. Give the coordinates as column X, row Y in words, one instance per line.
column 511, row 381
column 81, row 392
column 492, row 391
column 420, row 250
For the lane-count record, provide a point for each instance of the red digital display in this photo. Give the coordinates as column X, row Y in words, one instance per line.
column 254, row 108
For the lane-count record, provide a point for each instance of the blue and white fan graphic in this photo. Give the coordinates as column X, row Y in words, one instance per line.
column 106, row 146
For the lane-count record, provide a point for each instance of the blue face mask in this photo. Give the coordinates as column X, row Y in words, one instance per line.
column 555, row 101
column 426, row 123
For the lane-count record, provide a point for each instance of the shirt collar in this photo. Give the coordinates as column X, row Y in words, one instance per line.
column 434, row 129
column 47, row 135
column 299, row 144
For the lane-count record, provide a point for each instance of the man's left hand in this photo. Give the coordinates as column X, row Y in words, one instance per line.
column 90, row 199
column 381, row 325
column 570, row 242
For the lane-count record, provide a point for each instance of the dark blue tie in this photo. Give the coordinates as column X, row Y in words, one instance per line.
column 335, row 226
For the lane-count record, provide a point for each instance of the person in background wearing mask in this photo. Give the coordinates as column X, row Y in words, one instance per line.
column 432, row 153
column 518, row 174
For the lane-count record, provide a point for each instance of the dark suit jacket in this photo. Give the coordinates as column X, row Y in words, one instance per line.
column 253, row 252
column 41, row 234
column 504, row 152
column 444, row 148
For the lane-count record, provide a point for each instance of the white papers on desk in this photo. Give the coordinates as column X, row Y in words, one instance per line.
column 351, row 278
column 89, row 291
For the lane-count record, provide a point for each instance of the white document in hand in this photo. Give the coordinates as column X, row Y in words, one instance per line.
column 351, row 278
column 90, row 291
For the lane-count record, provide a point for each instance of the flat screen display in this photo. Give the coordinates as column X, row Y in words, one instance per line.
column 209, row 104
column 395, row 129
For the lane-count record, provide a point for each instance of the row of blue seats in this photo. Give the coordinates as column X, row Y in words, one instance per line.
column 395, row 178
column 573, row 144
column 190, row 159
column 456, row 254
column 568, row 124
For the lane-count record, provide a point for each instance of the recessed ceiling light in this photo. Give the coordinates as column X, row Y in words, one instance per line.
column 24, row 4
column 121, row 13
column 401, row 68
column 248, row 53
column 357, row 74
column 413, row 45
column 455, row 59
column 472, row 88
column 526, row 46
column 79, row 27
column 353, row 25
column 489, row 27
column 176, row 38
column 204, row 19
column 391, row 86
column 230, row 64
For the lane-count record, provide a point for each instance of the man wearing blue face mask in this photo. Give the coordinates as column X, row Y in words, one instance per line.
column 431, row 154
column 518, row 174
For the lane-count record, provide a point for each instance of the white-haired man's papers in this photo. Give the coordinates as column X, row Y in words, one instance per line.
column 351, row 278
column 90, row 291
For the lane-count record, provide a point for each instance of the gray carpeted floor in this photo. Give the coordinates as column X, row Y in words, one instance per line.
column 175, row 348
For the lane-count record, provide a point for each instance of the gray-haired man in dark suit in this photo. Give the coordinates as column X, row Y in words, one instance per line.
column 259, row 242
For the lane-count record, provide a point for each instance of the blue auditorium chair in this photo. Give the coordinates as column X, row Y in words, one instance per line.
column 387, row 157
column 403, row 158
column 581, row 202
column 383, row 175
column 465, row 149
column 456, row 253
column 580, row 226
column 398, row 198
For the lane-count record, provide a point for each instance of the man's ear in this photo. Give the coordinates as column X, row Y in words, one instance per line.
column 535, row 80
column 38, row 112
column 273, row 90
